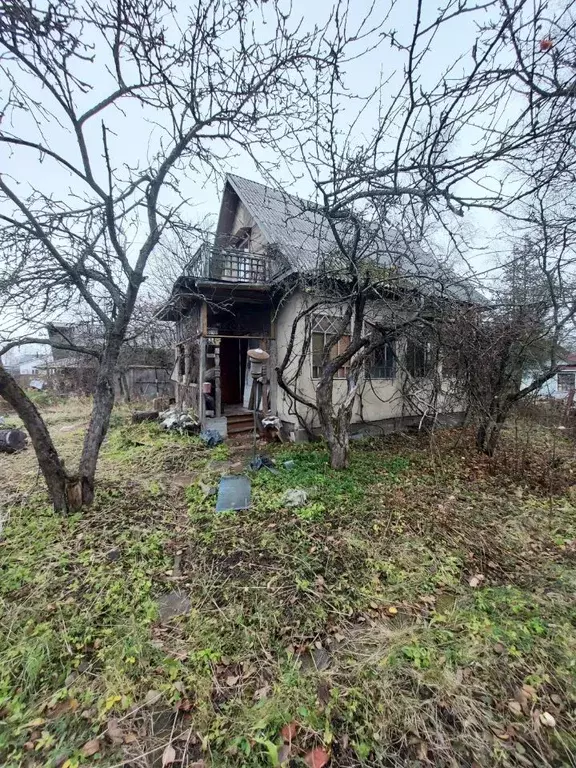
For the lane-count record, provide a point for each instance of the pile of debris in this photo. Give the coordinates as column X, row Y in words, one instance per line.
column 12, row 440
column 185, row 422
column 173, row 419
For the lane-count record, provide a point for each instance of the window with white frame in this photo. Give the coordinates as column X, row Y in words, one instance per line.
column 566, row 381
column 324, row 330
column 381, row 363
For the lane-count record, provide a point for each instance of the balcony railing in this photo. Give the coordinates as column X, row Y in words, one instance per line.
column 229, row 264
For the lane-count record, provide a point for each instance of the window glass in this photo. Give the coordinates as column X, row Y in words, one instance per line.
column 417, row 359
column 381, row 363
column 323, row 332
column 566, row 381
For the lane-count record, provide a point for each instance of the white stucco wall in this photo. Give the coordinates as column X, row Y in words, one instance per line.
column 380, row 398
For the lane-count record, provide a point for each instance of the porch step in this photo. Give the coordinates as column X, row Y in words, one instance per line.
column 240, row 422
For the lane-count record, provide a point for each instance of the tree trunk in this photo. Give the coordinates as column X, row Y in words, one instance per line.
column 63, row 489
column 488, row 433
column 339, row 452
column 103, row 403
column 335, row 427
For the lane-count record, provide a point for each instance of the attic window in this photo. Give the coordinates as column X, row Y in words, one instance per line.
column 242, row 239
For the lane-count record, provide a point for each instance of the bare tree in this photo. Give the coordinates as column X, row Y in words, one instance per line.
column 505, row 353
column 172, row 257
column 84, row 82
column 439, row 148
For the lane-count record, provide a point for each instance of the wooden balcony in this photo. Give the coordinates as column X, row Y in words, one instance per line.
column 229, row 265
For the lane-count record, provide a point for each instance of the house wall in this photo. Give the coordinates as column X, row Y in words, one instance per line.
column 381, row 399
column 188, row 326
column 550, row 387
column 31, row 367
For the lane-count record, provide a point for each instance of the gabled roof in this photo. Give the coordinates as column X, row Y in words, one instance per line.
column 300, row 234
column 304, row 238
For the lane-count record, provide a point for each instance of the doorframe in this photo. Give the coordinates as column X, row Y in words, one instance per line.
column 214, row 338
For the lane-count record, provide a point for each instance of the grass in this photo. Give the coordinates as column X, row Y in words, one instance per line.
column 418, row 610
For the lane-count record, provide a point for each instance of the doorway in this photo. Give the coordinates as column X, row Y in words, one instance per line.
column 232, row 370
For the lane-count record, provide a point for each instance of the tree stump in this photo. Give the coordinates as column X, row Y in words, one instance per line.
column 139, row 416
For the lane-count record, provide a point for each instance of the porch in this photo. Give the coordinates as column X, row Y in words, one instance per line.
column 212, row 368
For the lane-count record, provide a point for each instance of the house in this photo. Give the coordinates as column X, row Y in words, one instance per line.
column 239, row 293
column 27, row 369
column 560, row 386
column 30, row 365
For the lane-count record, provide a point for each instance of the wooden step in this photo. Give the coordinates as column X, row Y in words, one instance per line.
column 236, row 429
column 240, row 423
column 242, row 418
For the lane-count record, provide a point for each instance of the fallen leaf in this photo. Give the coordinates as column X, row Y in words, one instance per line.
column 283, row 754
column 62, row 707
column 232, row 680
column 548, row 720
column 499, row 648
column 185, row 705
column 556, row 698
column 529, row 691
column 288, row 732
column 91, row 747
column 152, row 696
column 168, row 756
column 130, row 738
column 317, row 758
column 515, row 707
column 35, row 723
column 323, row 692
column 476, row 580
column 115, row 732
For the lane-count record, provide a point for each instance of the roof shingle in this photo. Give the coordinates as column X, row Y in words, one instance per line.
column 304, row 238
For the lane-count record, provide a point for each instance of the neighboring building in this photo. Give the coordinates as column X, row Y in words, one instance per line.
column 564, row 382
column 30, row 365
column 236, row 295
column 142, row 372
column 27, row 369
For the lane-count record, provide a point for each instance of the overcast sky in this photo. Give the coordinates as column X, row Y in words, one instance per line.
column 132, row 134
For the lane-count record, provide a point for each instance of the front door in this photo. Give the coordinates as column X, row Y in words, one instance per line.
column 232, row 370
